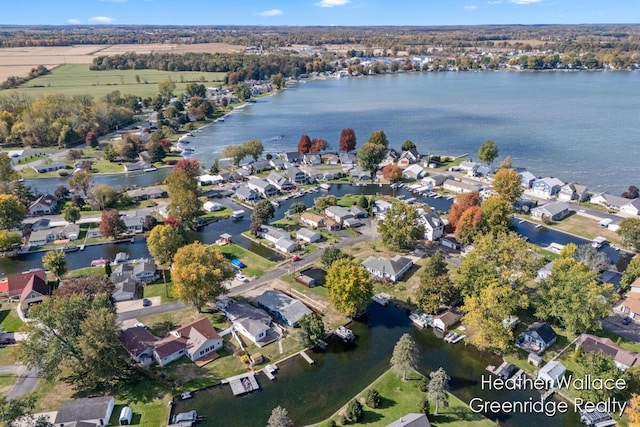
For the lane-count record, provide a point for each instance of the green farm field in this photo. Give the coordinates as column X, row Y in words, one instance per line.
column 78, row 79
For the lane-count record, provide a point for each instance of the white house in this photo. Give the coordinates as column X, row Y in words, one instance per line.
column 279, row 181
column 391, row 269
column 43, row 205
column 459, row 187
column 307, row 235
column 413, row 172
column 210, row 206
column 573, row 191
column 196, row 340
column 90, row 411
column 546, row 187
column 252, row 322
column 554, row 211
column 527, row 179
column 433, row 224
column 264, row 188
column 445, row 320
column 551, row 373
column 285, row 245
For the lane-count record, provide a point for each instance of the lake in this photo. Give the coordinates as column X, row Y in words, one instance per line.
column 577, row 126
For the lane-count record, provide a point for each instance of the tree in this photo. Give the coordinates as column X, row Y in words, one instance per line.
column 8, row 240
column 184, row 203
column 235, row 152
column 55, row 262
column 630, row 231
column 297, row 207
column 215, row 167
column 61, row 192
column 379, row 138
column 462, row 203
column 600, row 365
column 350, row 286
column 506, row 163
column 91, row 139
column 435, row 287
column 191, row 167
column 392, row 173
column 166, row 88
column 104, row 196
column 408, row 145
column 470, row 225
column 311, row 330
column 80, row 181
column 263, row 211
column 279, row 418
column 7, row 173
column 370, row 156
column 634, row 410
column 631, row 273
column 496, row 213
column 373, row 398
column 11, row 411
column 331, row 254
column 488, row 152
column 572, row 295
column 632, row 192
column 504, row 258
column 508, row 184
column 318, row 145
column 347, row 140
column 354, row 411
column 93, row 287
column 196, row 89
column 12, row 212
column 405, row 355
column 485, row 312
column 111, row 225
column 253, row 148
column 277, row 80
column 304, row 144
column 363, row 202
column 400, row 229
column 424, row 407
column 71, row 213
column 199, row 274
column 438, row 386
column 164, row 241
column 594, row 259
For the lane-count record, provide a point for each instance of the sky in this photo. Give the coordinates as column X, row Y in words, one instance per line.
column 319, row 12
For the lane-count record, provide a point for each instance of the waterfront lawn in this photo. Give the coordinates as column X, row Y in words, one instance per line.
column 105, row 166
column 9, row 320
column 161, row 324
column 223, row 213
column 86, row 271
column 148, row 400
column 256, row 265
column 402, row 397
column 587, row 228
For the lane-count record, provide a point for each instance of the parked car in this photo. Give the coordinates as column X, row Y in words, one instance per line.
column 7, row 341
column 146, row 302
column 627, row 320
column 242, row 278
column 296, row 258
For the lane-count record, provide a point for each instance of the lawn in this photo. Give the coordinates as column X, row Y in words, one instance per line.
column 86, row 271
column 256, row 265
column 9, row 320
column 7, row 355
column 76, row 79
column 587, row 228
column 105, row 166
column 158, row 290
column 402, row 397
column 6, row 384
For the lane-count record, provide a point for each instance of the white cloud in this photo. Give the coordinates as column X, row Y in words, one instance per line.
column 524, row 1
column 332, row 3
column 494, row 2
column 101, row 19
column 73, row 21
column 272, row 12
column 471, row 7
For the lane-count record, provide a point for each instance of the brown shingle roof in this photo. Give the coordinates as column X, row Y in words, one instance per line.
column 17, row 282
column 137, row 339
column 593, row 344
column 35, row 283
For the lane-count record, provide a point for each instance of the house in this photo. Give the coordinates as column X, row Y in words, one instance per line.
column 527, row 179
column 347, row 158
column 459, row 187
column 247, row 194
column 631, row 305
column 124, row 282
column 330, row 175
column 35, row 291
column 261, row 166
column 196, row 341
column 338, row 213
column 330, row 159
column 624, row 359
column 435, row 180
column 51, row 167
column 252, row 322
column 537, row 338
column 93, row 233
column 631, row 208
column 359, row 174
column 408, row 157
column 133, row 224
column 210, row 206
column 312, row 174
column 307, row 235
column 135, row 166
column 573, row 191
column 380, row 207
column 413, row 172
column 358, row 212
column 279, row 181
column 41, row 224
column 145, row 270
column 554, row 211
column 68, row 232
column 283, row 307
column 296, row 175
column 89, row 411
column 277, row 164
column 44, row 205
column 391, row 269
column 292, row 157
column 312, row 159
column 285, row 245
column 546, row 187
column 446, row 320
column 312, row 220
column 138, row 342
column 272, row 234
column 551, row 373
column 613, row 277
column 146, row 193
column 40, row 238
column 264, row 188
column 609, row 201
column 391, row 158
column 411, row 420
column 432, row 223
column 474, row 168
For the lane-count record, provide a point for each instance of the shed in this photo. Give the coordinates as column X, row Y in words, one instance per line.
column 552, row 372
column 125, row 416
column 534, row 359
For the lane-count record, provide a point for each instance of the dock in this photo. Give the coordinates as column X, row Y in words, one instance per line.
column 547, row 394
column 306, row 357
column 269, row 371
column 241, row 384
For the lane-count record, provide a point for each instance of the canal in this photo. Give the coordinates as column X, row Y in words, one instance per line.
column 312, row 393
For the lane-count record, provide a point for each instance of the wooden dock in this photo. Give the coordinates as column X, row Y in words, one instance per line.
column 306, row 357
column 241, row 384
column 548, row 393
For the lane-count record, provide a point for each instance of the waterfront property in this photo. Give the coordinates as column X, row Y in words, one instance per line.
column 537, row 338
column 283, row 307
column 44, row 205
column 252, row 322
column 432, row 223
column 460, row 187
column 573, row 191
column 388, row 269
column 552, row 372
column 14, row 285
column 34, row 292
column 554, row 211
column 446, row 320
column 546, row 187
column 138, row 342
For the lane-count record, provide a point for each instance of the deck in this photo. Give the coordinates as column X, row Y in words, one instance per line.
column 306, row 357
column 241, row 384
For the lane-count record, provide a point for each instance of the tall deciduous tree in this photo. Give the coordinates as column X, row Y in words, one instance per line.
column 304, row 144
column 199, row 274
column 508, row 184
column 378, row 137
column 8, row 240
column 104, row 196
column 347, row 140
column 182, row 188
column 318, row 145
column 81, row 181
column 438, row 386
column 436, row 287
column 350, row 286
column 263, row 211
column 392, row 173
column 400, row 229
column 488, row 152
column 164, row 241
column 12, row 212
column 235, row 152
column 496, row 213
column 408, row 145
column 631, row 273
column 370, row 156
column 253, row 148
column 634, row 410
column 330, row 255
column 630, row 231
column 71, row 213
column 7, row 173
column 462, row 203
column 191, row 167
column 279, row 418
column 572, row 295
column 55, row 262
column 311, row 329
column 405, row 355
column 111, row 225
column 470, row 225
column 594, row 259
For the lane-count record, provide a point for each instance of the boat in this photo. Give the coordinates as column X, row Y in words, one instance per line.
column 598, row 242
column 237, row 215
column 382, row 299
column 150, row 169
column 453, row 337
column 325, row 186
column 345, row 333
column 419, row 320
column 185, row 417
column 275, row 203
column 121, row 257
column 297, row 195
column 70, row 248
column 186, row 395
column 99, row 261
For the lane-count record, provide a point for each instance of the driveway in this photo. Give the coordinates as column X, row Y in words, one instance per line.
column 614, row 324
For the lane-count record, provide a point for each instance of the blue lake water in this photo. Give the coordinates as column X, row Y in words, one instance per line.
column 576, row 126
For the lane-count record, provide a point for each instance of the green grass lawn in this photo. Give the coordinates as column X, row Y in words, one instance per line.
column 76, row 79
column 105, row 166
column 158, row 290
column 83, row 272
column 6, row 384
column 9, row 320
column 402, row 397
column 7, row 355
column 256, row 265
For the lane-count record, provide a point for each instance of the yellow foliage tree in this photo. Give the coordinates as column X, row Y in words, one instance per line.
column 633, row 411
column 350, row 286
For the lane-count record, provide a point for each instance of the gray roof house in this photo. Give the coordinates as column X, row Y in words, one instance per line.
column 546, row 187
column 411, row 420
column 433, row 224
column 292, row 157
column 358, row 173
column 125, row 286
column 632, row 207
column 247, row 194
column 347, row 158
column 266, row 189
column 413, row 172
column 338, row 214
column 43, row 205
column 609, row 201
column 554, row 211
column 260, row 166
column 252, row 322
column 145, row 270
column 296, row 175
column 573, row 191
column 527, row 179
column 387, row 269
column 278, row 164
column 436, row 180
column 307, row 235
column 272, row 234
column 50, row 167
column 134, row 224
column 279, row 181
column 92, row 410
column 285, row 245
column 537, row 338
column 283, row 307
column 459, row 187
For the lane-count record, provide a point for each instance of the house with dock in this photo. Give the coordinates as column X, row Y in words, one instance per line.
column 388, row 269
column 546, row 187
column 44, row 205
column 252, row 322
column 264, row 188
column 537, row 338
column 283, row 307
column 554, row 211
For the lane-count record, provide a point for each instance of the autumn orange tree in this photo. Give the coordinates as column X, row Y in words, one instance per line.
column 304, row 144
column 633, row 411
column 347, row 140
column 462, row 203
column 392, row 173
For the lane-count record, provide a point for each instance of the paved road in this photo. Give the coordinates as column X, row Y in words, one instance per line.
column 26, row 382
column 614, row 324
column 148, row 311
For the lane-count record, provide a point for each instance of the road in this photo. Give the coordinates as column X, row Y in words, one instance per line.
column 614, row 324
column 26, row 380
column 148, row 311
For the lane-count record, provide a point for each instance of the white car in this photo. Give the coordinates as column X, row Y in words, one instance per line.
column 242, row 278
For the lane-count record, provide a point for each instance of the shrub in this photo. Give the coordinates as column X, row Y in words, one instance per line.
column 424, row 384
column 425, row 406
column 372, row 398
column 354, row 411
